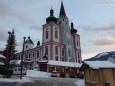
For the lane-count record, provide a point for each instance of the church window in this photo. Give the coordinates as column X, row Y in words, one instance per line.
column 56, row 34
column 68, row 42
column 26, row 57
column 77, row 42
column 56, row 50
column 69, row 52
column 56, row 58
column 60, row 22
column 37, row 54
column 33, row 54
column 26, row 46
column 46, row 34
column 29, row 56
column 63, row 59
column 46, row 50
column 62, row 51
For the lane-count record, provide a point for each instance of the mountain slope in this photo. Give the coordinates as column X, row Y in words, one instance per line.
column 102, row 56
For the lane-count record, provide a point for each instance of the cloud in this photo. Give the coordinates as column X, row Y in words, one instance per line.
column 107, row 41
column 6, row 10
column 3, row 34
column 110, row 27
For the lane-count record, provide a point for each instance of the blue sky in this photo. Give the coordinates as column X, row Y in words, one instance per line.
column 94, row 20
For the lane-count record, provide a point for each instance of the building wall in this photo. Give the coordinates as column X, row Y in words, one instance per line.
column 28, row 46
column 98, row 77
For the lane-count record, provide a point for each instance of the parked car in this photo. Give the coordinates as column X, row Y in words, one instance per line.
column 72, row 75
column 17, row 70
column 54, row 74
column 6, row 72
column 80, row 75
column 62, row 74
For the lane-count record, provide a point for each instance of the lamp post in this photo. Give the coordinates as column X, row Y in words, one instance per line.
column 22, row 58
column 7, row 63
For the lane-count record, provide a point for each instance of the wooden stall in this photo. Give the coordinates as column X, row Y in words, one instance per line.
column 99, row 73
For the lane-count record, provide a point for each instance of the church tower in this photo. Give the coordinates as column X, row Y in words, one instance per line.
column 51, row 39
column 69, row 38
column 28, row 44
column 66, row 34
column 76, row 43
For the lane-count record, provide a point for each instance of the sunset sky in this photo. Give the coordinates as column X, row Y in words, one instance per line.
column 94, row 20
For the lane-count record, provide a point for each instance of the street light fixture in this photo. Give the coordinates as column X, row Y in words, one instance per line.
column 22, row 58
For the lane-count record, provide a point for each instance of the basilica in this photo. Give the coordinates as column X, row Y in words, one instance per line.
column 60, row 45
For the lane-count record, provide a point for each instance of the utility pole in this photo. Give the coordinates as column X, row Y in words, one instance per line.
column 22, row 58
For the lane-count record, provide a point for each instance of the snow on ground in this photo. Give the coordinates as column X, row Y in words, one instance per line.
column 80, row 82
column 24, row 79
column 36, row 73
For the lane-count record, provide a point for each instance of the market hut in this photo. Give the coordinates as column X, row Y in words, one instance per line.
column 99, row 73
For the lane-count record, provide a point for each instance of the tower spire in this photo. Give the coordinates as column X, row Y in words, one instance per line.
column 51, row 12
column 62, row 10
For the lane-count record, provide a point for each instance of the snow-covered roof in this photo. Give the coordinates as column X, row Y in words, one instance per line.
column 15, row 61
column 1, row 63
column 67, row 64
column 100, row 64
column 1, row 56
column 43, row 61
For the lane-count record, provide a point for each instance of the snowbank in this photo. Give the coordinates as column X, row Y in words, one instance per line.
column 80, row 82
column 24, row 79
column 35, row 73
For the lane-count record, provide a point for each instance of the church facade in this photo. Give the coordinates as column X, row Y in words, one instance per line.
column 60, row 42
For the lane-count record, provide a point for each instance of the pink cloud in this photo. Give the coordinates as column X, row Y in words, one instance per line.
column 104, row 41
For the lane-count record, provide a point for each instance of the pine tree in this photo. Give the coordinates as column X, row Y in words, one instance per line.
column 9, row 51
column 12, row 45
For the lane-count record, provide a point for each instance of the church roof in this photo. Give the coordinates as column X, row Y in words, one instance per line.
column 29, row 41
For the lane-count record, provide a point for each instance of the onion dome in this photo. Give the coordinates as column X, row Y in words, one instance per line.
column 29, row 41
column 51, row 17
column 72, row 29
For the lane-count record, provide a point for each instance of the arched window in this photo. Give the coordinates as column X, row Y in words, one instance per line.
column 56, row 58
column 46, row 34
column 37, row 54
column 56, row 50
column 29, row 56
column 26, row 46
column 63, row 59
column 56, row 34
column 62, row 51
column 33, row 54
column 69, row 52
column 46, row 50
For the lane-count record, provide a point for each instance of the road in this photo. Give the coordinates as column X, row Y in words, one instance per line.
column 51, row 81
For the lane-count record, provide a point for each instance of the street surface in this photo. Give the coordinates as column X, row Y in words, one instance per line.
column 50, row 81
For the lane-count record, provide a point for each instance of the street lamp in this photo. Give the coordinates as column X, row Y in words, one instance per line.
column 22, row 58
column 9, row 33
